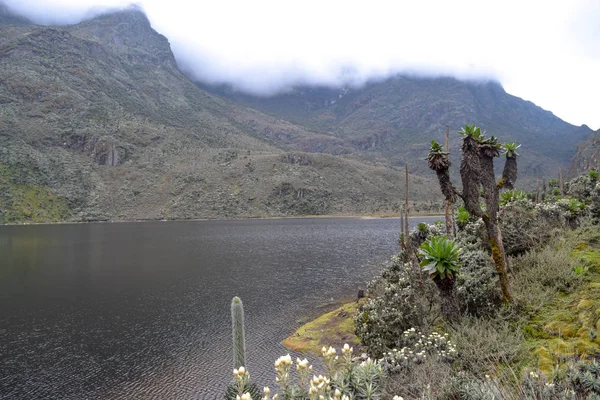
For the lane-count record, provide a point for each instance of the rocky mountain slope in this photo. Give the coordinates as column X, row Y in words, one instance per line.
column 587, row 156
column 394, row 120
column 98, row 123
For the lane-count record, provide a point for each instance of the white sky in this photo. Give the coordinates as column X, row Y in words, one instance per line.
column 547, row 52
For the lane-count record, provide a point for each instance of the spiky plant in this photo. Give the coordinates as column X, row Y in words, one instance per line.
column 462, row 217
column 437, row 158
column 238, row 333
column 473, row 131
column 439, row 258
column 490, row 147
column 512, row 195
column 438, row 161
column 593, row 175
column 510, row 149
column 477, row 171
column 242, row 383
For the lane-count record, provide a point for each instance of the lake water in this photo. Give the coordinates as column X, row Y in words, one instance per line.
column 142, row 310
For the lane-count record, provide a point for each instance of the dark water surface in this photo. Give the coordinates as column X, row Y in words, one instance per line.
column 142, row 310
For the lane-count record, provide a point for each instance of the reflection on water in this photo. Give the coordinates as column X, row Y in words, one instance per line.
column 141, row 310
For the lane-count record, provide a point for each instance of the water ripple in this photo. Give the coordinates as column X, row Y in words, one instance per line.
column 141, row 310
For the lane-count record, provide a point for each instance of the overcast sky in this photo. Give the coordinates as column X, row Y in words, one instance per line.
column 547, row 52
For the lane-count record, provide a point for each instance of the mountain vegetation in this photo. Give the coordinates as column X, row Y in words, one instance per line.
column 393, row 120
column 542, row 345
column 98, row 123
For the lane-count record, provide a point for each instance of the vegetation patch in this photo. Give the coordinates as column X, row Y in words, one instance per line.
column 28, row 203
column 566, row 327
column 334, row 328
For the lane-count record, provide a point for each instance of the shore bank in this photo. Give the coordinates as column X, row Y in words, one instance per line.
column 333, row 328
column 416, row 215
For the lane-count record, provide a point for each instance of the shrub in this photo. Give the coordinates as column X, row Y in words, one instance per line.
column 476, row 285
column 416, row 348
column 524, row 225
column 483, row 344
column 395, row 304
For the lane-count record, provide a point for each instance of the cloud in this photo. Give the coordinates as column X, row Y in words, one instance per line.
column 543, row 51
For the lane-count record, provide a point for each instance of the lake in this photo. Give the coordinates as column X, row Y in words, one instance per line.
column 142, row 310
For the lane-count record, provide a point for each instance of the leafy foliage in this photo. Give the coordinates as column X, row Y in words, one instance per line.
column 511, row 195
column 440, row 257
column 437, row 158
column 510, row 149
column 473, row 131
column 462, row 217
column 585, row 378
column 233, row 390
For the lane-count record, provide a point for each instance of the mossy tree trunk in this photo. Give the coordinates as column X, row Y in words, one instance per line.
column 448, row 301
column 509, row 173
column 498, row 255
column 469, row 174
column 490, row 219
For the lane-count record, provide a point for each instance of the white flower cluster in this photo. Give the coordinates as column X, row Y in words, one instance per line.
column 417, row 348
column 436, row 229
column 549, row 209
column 319, row 386
column 344, row 378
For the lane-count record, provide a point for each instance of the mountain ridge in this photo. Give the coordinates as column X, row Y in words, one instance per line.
column 399, row 112
column 93, row 128
column 98, row 123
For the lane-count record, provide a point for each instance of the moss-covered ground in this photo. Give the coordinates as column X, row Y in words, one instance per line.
column 334, row 328
column 567, row 327
column 28, row 203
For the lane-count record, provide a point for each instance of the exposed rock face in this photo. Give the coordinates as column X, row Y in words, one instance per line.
column 106, row 154
column 587, row 156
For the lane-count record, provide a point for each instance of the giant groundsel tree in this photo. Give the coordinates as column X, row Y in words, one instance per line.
column 477, row 176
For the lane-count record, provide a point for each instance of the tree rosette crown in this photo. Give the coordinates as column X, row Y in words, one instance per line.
column 510, row 149
column 437, row 159
column 490, row 147
column 474, row 132
column 440, row 257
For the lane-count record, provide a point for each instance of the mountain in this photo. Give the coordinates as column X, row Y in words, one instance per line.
column 394, row 120
column 587, row 156
column 98, row 123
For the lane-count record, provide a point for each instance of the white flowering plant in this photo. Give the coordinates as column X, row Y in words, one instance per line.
column 418, row 347
column 347, row 377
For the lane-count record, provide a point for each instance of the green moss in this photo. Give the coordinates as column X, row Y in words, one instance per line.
column 28, row 203
column 587, row 255
column 501, row 183
column 334, row 328
column 566, row 328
